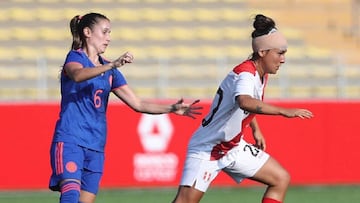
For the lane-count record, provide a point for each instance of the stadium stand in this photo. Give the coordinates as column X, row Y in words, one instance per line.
column 182, row 47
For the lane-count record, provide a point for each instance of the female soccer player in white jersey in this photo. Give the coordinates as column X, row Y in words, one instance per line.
column 87, row 79
column 218, row 144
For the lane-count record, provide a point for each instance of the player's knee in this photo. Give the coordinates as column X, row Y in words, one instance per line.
column 284, row 179
column 70, row 192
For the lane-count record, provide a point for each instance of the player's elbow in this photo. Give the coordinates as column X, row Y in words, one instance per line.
column 244, row 101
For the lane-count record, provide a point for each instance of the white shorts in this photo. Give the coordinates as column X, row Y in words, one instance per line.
column 241, row 162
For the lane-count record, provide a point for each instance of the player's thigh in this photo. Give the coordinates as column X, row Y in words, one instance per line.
column 272, row 173
column 199, row 173
column 92, row 171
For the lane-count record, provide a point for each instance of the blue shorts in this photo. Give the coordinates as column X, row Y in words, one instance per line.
column 71, row 161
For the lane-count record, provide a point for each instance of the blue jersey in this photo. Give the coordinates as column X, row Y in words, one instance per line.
column 83, row 105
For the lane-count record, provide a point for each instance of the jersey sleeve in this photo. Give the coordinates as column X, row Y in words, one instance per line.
column 245, row 84
column 74, row 56
column 118, row 79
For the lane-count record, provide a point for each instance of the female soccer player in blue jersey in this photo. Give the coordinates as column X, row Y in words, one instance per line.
column 77, row 150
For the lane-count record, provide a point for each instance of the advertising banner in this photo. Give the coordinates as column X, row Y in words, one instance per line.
column 149, row 150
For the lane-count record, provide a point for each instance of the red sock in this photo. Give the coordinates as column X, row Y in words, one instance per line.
column 268, row 200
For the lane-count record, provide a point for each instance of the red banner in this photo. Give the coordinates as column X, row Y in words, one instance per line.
column 147, row 150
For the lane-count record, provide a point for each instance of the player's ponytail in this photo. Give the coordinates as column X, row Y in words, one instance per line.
column 75, row 32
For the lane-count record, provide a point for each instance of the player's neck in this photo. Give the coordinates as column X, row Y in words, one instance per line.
column 93, row 56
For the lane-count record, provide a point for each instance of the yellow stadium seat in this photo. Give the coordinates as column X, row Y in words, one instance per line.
column 127, row 34
column 210, row 52
column 23, row 33
column 206, row 15
column 4, row 14
column 273, row 92
column 146, row 92
column 155, row 1
column 55, row 53
column 78, row 1
column 183, row 34
column 181, row 1
column 53, row 72
column 234, row 15
column 22, row 14
column 295, row 71
column 49, row 14
column 300, row 92
column 326, row 91
column 196, row 92
column 352, row 91
column 318, row 53
column 349, row 72
column 23, row 1
column 5, row 34
column 234, row 1
column 127, row 15
column 322, row 71
column 181, row 15
column 296, row 52
column 127, row 1
column 55, row 34
column 292, row 34
column 138, row 72
column 28, row 53
column 206, row 1
column 139, row 53
column 9, row 74
column 237, row 51
column 157, row 34
column 29, row 73
column 69, row 13
column 7, row 53
column 48, row 1
column 157, row 52
column 235, row 33
column 151, row 14
column 185, row 52
column 209, row 33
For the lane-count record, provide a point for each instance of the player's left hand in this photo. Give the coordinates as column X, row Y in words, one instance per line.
column 259, row 140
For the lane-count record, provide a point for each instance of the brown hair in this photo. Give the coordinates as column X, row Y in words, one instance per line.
column 263, row 25
column 77, row 25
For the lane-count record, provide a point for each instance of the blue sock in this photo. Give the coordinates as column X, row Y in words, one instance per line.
column 70, row 192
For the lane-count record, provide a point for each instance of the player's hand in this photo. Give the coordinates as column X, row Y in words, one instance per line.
column 190, row 110
column 301, row 113
column 123, row 59
column 259, row 140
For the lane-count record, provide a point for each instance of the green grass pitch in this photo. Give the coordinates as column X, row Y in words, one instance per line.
column 313, row 194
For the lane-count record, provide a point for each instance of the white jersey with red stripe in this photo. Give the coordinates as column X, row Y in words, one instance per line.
column 224, row 125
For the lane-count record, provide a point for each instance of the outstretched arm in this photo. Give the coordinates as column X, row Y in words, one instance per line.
column 257, row 106
column 138, row 105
